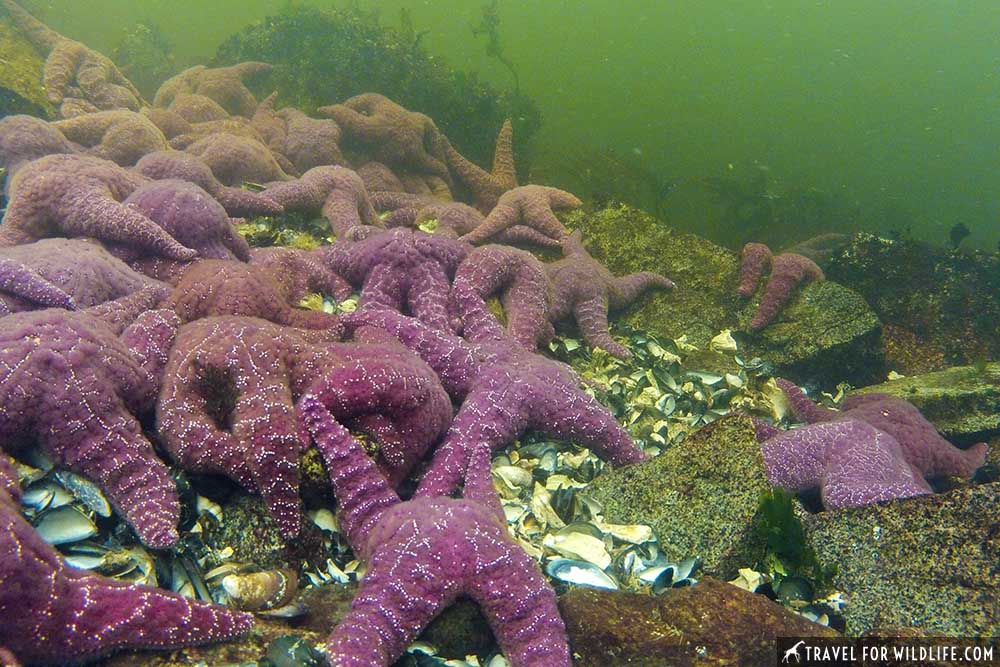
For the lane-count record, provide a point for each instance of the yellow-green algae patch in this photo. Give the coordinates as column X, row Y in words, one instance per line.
column 20, row 75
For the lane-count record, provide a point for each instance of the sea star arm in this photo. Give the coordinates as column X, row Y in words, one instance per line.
column 427, row 295
column 627, row 289
column 389, row 392
column 363, row 492
column 788, row 272
column 591, row 316
column 486, row 187
column 802, row 406
column 17, row 279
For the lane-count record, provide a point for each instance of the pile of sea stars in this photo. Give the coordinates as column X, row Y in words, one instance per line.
column 127, row 291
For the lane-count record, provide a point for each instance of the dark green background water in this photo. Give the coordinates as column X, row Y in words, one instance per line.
column 893, row 104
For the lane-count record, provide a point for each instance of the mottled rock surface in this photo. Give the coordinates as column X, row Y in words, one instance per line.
column 21, row 75
column 927, row 562
column 711, row 623
column 700, row 496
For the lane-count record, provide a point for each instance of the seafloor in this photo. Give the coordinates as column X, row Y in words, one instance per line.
column 290, row 379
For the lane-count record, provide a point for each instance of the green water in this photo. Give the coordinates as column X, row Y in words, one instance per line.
column 890, row 107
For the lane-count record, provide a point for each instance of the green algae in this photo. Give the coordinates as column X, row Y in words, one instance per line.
column 326, row 56
column 20, row 75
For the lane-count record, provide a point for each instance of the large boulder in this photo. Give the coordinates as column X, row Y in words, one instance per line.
column 700, row 496
column 826, row 335
column 928, row 562
column 710, row 623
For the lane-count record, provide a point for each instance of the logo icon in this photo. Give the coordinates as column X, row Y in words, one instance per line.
column 793, row 652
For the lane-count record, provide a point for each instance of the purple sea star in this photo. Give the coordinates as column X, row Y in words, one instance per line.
column 75, row 76
column 504, row 390
column 196, row 108
column 170, row 123
column 236, row 160
column 336, row 192
column 393, row 135
column 402, row 269
column 423, row 554
column 584, row 288
column 453, row 219
column 301, row 272
column 55, row 614
column 227, row 403
column 83, row 272
column 486, row 187
column 530, row 206
column 224, row 85
column 26, row 138
column 238, row 202
column 306, row 142
column 71, row 385
column 877, row 448
column 788, row 271
column 78, row 195
column 121, row 136
column 519, row 279
column 220, row 287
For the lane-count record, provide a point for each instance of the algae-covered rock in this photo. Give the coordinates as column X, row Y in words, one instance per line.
column 20, row 74
column 710, row 623
column 701, row 497
column 826, row 335
column 248, row 529
column 928, row 562
column 948, row 300
column 962, row 402
column 704, row 300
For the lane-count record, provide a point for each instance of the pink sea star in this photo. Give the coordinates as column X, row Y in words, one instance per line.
column 55, row 614
column 584, row 288
column 877, row 448
column 504, row 390
column 26, row 138
column 423, row 554
column 227, row 403
column 224, row 85
column 788, row 271
column 529, row 205
column 71, row 385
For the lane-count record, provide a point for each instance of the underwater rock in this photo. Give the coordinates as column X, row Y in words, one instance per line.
column 948, row 299
column 710, row 623
column 825, row 335
column 21, row 75
column 926, row 562
column 700, row 496
column 962, row 402
column 253, row 535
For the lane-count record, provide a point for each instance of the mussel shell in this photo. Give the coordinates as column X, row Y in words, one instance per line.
column 261, row 590
column 65, row 525
column 580, row 573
